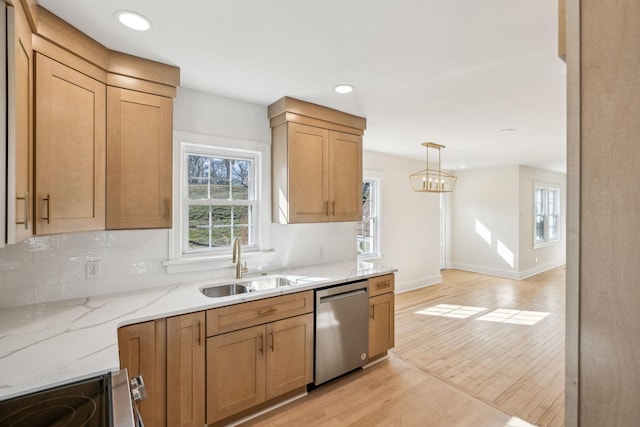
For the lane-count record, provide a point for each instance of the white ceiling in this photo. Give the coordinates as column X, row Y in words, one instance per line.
column 455, row 72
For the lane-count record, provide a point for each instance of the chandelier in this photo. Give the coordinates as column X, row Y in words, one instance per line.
column 432, row 180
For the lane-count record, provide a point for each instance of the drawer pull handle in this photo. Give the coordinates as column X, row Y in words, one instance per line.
column 261, row 343
column 48, row 200
column 333, row 208
column 26, row 210
column 199, row 333
column 273, row 343
column 384, row 284
column 271, row 310
column 326, row 208
column 373, row 311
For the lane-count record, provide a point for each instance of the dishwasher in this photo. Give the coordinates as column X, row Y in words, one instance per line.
column 342, row 330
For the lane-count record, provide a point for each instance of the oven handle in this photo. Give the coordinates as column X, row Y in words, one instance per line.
column 138, row 420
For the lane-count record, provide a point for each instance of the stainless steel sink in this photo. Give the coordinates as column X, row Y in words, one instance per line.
column 262, row 283
column 229, row 289
column 245, row 286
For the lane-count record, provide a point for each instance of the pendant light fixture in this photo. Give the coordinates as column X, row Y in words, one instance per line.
column 432, row 179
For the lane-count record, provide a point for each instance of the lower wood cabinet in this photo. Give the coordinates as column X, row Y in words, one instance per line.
column 381, row 324
column 186, row 370
column 381, row 315
column 252, row 365
column 143, row 352
column 170, row 355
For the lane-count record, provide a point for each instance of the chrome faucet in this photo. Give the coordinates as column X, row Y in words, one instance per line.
column 237, row 259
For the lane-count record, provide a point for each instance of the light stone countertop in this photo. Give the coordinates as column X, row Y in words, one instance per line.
column 50, row 344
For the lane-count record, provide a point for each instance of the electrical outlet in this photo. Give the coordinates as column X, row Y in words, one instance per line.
column 94, row 269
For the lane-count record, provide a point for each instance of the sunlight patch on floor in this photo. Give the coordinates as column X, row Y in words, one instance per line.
column 518, row 317
column 517, row 422
column 449, row 310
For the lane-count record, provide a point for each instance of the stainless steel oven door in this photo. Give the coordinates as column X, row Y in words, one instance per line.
column 122, row 408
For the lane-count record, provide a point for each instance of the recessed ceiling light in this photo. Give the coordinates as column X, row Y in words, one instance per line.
column 133, row 20
column 344, row 88
column 463, row 166
column 507, row 130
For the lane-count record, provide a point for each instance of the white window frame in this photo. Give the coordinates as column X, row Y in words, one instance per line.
column 546, row 188
column 184, row 142
column 376, row 179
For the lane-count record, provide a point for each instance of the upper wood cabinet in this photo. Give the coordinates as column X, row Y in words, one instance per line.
column 100, row 161
column 139, row 150
column 316, row 163
column 19, row 126
column 69, row 149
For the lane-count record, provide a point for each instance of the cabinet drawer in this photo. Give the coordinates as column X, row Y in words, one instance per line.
column 238, row 316
column 381, row 285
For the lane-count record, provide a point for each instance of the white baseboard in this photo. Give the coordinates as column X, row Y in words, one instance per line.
column 540, row 269
column 417, row 284
column 516, row 275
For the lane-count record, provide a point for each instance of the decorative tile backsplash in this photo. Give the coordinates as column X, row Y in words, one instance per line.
column 51, row 268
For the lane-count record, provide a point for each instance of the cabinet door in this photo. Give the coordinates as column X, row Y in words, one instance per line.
column 308, row 162
column 186, row 370
column 289, row 354
column 19, row 129
column 139, row 149
column 345, row 177
column 142, row 352
column 381, row 324
column 69, row 149
column 235, row 372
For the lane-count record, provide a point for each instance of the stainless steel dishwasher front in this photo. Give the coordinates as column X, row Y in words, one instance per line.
column 342, row 330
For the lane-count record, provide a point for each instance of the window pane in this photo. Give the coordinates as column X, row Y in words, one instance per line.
column 539, row 201
column 198, row 177
column 552, row 202
column 199, row 227
column 240, row 179
column 241, row 215
column 243, row 233
column 553, row 227
column 539, row 228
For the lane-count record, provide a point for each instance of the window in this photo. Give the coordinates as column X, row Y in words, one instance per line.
column 220, row 193
column 546, row 215
column 220, row 200
column 368, row 230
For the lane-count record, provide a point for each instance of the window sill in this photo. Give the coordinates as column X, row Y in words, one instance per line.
column 545, row 244
column 212, row 262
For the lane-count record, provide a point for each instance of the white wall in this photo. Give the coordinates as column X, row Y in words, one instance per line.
column 492, row 222
column 485, row 221
column 410, row 222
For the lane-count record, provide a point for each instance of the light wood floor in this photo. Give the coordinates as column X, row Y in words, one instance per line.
column 453, row 371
